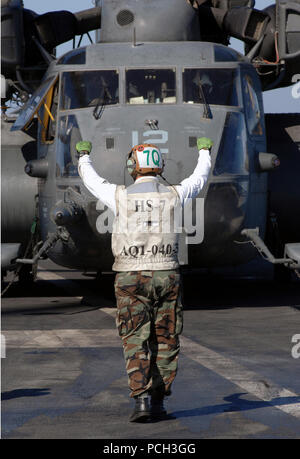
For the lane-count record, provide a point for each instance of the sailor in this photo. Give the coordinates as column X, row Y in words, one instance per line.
column 147, row 285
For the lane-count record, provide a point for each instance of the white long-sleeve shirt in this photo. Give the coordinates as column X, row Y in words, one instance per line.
column 105, row 191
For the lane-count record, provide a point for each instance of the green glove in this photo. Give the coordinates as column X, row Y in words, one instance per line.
column 204, row 142
column 84, row 146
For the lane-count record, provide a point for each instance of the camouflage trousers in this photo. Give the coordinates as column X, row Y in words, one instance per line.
column 149, row 320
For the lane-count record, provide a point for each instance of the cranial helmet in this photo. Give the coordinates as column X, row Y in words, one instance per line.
column 145, row 158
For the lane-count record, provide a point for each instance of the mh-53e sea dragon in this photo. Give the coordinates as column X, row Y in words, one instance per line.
column 160, row 72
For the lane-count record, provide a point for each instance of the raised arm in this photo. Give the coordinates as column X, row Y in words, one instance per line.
column 192, row 185
column 98, row 186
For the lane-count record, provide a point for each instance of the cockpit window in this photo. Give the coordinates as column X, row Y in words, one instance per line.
column 232, row 153
column 151, row 86
column 89, row 89
column 66, row 155
column 252, row 108
column 219, row 86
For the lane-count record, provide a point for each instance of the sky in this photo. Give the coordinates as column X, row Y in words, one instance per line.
column 277, row 100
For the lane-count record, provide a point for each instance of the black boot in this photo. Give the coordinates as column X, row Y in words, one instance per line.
column 158, row 410
column 141, row 410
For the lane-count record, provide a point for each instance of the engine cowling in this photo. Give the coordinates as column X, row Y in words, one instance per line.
column 271, row 36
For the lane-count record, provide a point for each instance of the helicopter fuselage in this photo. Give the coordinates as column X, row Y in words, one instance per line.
column 120, row 94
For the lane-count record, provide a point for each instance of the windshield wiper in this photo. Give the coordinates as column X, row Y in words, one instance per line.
column 206, row 110
column 101, row 103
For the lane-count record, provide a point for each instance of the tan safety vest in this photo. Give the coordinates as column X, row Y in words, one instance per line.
column 146, row 228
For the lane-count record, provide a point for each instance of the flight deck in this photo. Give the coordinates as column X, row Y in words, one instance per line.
column 63, row 374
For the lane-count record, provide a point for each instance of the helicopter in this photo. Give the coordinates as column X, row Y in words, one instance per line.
column 160, row 72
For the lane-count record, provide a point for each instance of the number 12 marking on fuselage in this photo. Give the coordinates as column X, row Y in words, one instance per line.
column 164, row 137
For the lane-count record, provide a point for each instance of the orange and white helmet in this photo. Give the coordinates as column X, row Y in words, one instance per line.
column 145, row 158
